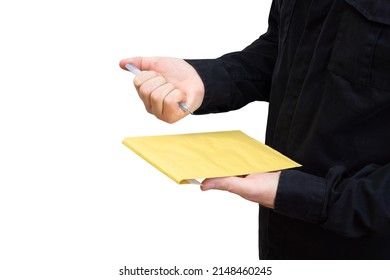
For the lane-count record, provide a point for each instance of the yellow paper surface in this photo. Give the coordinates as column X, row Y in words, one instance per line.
column 184, row 157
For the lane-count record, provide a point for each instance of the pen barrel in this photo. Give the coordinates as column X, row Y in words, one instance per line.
column 132, row 68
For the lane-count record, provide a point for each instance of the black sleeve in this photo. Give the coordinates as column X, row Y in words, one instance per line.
column 238, row 78
column 351, row 205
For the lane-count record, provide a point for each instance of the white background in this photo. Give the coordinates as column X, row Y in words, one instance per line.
column 75, row 203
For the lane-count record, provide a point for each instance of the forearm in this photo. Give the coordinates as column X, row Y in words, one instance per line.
column 230, row 83
column 352, row 206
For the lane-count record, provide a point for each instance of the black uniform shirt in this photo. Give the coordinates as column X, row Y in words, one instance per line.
column 324, row 68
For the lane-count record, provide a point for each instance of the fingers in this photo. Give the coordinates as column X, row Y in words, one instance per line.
column 258, row 187
column 165, row 82
column 148, row 84
column 160, row 97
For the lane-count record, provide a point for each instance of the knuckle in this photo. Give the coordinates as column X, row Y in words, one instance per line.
column 148, row 109
column 171, row 120
column 169, row 117
column 143, row 95
column 137, row 83
column 155, row 97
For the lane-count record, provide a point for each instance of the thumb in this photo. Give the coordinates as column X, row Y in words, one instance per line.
column 230, row 184
column 142, row 63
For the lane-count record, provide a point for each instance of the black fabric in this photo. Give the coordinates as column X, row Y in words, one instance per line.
column 324, row 68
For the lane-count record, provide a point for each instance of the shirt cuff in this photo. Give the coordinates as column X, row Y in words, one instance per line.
column 301, row 196
column 216, row 82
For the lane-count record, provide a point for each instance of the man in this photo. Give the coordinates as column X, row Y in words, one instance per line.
column 324, row 68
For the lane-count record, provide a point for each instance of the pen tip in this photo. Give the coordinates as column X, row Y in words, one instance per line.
column 185, row 107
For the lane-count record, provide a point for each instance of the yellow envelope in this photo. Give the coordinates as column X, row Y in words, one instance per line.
column 185, row 157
